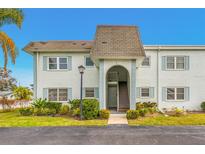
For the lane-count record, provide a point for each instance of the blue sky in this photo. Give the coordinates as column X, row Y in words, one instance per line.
column 157, row 26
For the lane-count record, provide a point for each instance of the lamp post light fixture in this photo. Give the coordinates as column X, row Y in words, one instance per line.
column 81, row 69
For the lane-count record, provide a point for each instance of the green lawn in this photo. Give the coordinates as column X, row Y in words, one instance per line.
column 13, row 119
column 190, row 119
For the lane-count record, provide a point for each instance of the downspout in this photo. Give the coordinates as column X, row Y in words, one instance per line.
column 158, row 75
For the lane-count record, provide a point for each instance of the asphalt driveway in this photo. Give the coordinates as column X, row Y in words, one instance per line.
column 103, row 135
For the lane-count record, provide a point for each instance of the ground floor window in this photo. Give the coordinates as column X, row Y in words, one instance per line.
column 175, row 93
column 145, row 92
column 89, row 92
column 58, row 94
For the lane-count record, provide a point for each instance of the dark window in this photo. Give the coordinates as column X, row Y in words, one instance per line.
column 88, row 61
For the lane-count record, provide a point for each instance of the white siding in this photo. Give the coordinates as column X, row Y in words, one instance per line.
column 48, row 79
column 194, row 78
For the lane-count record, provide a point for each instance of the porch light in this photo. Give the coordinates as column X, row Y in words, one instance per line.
column 81, row 69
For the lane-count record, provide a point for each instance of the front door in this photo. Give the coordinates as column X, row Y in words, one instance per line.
column 112, row 97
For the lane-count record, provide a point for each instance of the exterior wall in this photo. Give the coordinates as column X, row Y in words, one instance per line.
column 152, row 76
column 65, row 79
column 146, row 76
column 193, row 78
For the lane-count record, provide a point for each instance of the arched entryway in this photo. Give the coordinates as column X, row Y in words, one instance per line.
column 118, row 88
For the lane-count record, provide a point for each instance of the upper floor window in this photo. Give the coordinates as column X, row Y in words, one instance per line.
column 146, row 61
column 88, row 61
column 175, row 94
column 175, row 63
column 58, row 63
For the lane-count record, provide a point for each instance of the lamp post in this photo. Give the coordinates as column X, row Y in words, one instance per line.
column 81, row 69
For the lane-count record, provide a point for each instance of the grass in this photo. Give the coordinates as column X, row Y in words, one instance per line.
column 13, row 119
column 190, row 119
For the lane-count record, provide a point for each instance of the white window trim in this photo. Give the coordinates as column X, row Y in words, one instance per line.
column 141, row 92
column 90, row 97
column 58, row 64
column 57, row 94
column 85, row 62
column 175, row 95
column 145, row 66
column 175, row 64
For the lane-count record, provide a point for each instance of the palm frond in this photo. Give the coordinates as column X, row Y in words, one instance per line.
column 11, row 16
column 8, row 47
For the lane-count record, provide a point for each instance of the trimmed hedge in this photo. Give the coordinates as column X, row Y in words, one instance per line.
column 104, row 114
column 90, row 108
column 132, row 114
column 203, row 106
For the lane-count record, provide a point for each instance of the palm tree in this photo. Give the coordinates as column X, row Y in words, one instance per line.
column 9, row 16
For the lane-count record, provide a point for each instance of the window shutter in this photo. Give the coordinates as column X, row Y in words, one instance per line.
column 186, row 93
column 138, row 92
column 83, row 92
column 164, row 94
column 151, row 92
column 164, row 63
column 186, row 61
column 69, row 94
column 96, row 91
column 69, row 63
column 45, row 59
column 45, row 93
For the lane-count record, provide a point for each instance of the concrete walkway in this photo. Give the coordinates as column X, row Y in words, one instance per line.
column 116, row 119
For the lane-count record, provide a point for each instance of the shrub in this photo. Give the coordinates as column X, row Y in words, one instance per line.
column 76, row 112
column 90, row 107
column 143, row 112
column 26, row 111
column 139, row 105
column 42, row 107
column 47, row 111
column 151, row 110
column 75, row 103
column 104, row 114
column 54, row 106
column 153, row 104
column 39, row 103
column 132, row 114
column 203, row 106
column 64, row 109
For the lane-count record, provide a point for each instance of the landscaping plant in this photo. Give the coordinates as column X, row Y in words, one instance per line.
column 132, row 114
column 203, row 106
column 26, row 111
column 104, row 114
column 64, row 109
column 90, row 108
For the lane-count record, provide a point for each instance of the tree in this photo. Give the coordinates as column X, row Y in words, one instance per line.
column 7, row 82
column 9, row 16
column 22, row 93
